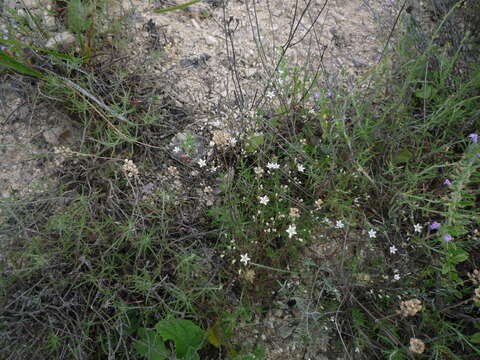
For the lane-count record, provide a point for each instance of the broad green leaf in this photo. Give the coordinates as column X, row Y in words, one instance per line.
column 11, row 63
column 403, row 156
column 254, row 142
column 178, row 7
column 426, row 92
column 457, row 255
column 458, row 258
column 447, row 267
column 151, row 345
column 475, row 338
column 184, row 333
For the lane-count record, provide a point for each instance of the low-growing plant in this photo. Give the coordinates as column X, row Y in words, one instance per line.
column 187, row 337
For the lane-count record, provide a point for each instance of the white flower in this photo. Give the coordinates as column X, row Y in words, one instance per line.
column 393, row 249
column 396, row 277
column 300, row 168
column 372, row 233
column 245, row 259
column 264, row 200
column 273, row 166
column 270, row 95
column 202, row 163
column 258, row 171
column 417, row 228
column 339, row 224
column 292, row 230
column 176, row 149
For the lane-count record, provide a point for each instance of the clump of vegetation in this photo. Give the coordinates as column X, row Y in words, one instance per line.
column 365, row 199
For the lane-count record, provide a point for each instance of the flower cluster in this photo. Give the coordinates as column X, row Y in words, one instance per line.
column 410, row 307
column 223, row 139
column 476, row 297
column 130, row 168
column 294, row 212
column 62, row 150
column 417, row 346
column 474, row 277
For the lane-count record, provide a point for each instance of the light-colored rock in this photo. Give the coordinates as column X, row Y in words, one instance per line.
column 52, row 135
column 49, row 21
column 32, row 4
column 210, row 40
column 62, row 40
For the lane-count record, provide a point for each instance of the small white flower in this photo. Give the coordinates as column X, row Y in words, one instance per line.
column 300, row 168
column 372, row 234
column 270, row 95
column 292, row 230
column 258, row 171
column 245, row 259
column 176, row 149
column 393, row 249
column 273, row 166
column 202, row 163
column 417, row 228
column 264, row 200
column 396, row 277
column 339, row 224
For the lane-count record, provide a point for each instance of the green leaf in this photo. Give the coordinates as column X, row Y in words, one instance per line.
column 213, row 337
column 447, row 267
column 403, row 156
column 459, row 258
column 178, row 7
column 50, row 52
column 187, row 336
column 457, row 255
column 151, row 345
column 475, row 338
column 254, row 142
column 11, row 63
column 426, row 92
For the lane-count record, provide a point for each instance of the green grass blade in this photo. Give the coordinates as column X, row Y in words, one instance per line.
column 50, row 52
column 178, row 7
column 11, row 63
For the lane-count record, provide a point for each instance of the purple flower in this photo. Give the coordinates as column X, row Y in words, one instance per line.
column 330, row 93
column 474, row 137
column 435, row 225
column 447, row 237
column 316, row 95
column 447, row 182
